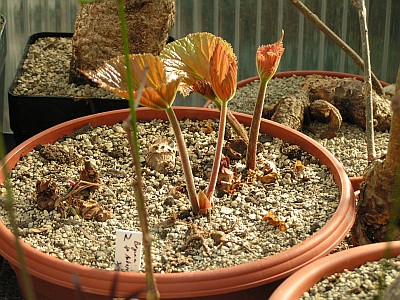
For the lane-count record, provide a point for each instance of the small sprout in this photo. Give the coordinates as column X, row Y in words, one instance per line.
column 268, row 58
column 71, row 182
column 205, row 205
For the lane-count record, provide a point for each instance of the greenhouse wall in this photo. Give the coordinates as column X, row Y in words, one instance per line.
column 246, row 24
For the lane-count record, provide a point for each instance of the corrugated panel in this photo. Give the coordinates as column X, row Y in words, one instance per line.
column 246, row 24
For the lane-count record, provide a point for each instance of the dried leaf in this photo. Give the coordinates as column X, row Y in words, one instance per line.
column 274, row 221
column 269, row 178
column 38, row 230
column 235, row 148
column 89, row 174
column 269, row 167
column 208, row 128
column 298, row 167
column 47, row 194
column 178, row 191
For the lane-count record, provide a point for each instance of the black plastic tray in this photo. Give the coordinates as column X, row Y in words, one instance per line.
column 31, row 114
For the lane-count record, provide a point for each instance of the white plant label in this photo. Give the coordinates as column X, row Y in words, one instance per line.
column 128, row 252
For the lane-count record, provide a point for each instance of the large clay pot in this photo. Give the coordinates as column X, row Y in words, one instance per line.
column 302, row 280
column 52, row 277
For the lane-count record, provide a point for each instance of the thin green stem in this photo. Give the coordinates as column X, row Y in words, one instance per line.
column 152, row 290
column 218, row 150
column 255, row 126
column 9, row 207
column 187, row 170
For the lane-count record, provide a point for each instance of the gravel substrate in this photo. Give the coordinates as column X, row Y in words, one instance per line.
column 361, row 283
column 45, row 72
column 303, row 200
column 349, row 146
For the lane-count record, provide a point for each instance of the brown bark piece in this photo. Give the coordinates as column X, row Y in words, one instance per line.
column 347, row 96
column 290, row 110
column 377, row 196
column 323, row 111
column 97, row 35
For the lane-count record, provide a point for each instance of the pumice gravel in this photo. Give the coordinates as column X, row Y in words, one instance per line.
column 303, row 200
column 349, row 146
column 361, row 283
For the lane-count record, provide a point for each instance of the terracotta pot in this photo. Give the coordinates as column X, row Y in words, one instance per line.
column 255, row 280
column 355, row 182
column 302, row 280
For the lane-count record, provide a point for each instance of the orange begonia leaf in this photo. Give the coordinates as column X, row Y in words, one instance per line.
column 160, row 97
column 157, row 92
column 191, row 58
column 223, row 71
column 268, row 58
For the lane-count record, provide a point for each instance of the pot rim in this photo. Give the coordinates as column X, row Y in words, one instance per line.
column 200, row 283
column 285, row 74
column 302, row 280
